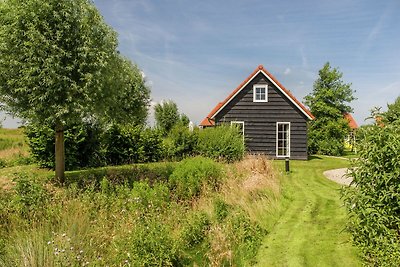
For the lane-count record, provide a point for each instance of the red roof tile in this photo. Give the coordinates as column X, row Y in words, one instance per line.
column 351, row 120
column 209, row 120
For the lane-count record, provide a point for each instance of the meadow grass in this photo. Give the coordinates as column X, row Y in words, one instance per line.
column 13, row 147
column 310, row 228
column 106, row 222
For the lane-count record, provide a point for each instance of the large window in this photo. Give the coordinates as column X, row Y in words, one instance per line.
column 260, row 93
column 283, row 139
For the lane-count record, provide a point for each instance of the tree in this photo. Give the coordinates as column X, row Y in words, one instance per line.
column 393, row 113
column 166, row 114
column 328, row 102
column 58, row 61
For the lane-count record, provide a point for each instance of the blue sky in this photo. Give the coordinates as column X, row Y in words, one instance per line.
column 197, row 52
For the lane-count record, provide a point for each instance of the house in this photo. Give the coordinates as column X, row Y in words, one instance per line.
column 273, row 121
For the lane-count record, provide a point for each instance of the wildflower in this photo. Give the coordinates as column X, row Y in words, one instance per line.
column 71, row 248
column 64, row 234
column 49, row 242
column 81, row 251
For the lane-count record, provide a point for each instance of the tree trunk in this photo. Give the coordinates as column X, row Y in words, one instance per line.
column 60, row 153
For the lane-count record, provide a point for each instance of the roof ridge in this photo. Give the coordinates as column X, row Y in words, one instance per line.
column 209, row 120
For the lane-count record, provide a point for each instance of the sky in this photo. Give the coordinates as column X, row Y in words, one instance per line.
column 196, row 52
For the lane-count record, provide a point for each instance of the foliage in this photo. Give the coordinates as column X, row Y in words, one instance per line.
column 127, row 216
column 54, row 54
column 221, row 143
column 393, row 112
column 150, row 244
column 195, row 229
column 373, row 203
column 180, row 143
column 166, row 115
column 30, row 196
column 82, row 143
column 131, row 144
column 328, row 102
column 59, row 65
column 192, row 174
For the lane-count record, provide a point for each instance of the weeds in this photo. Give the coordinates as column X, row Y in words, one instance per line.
column 139, row 222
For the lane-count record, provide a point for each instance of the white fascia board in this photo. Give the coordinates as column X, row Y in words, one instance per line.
column 272, row 81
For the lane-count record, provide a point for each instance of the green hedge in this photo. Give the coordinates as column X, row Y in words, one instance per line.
column 221, row 143
column 373, row 203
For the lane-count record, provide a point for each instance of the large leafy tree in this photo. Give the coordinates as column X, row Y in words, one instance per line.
column 166, row 114
column 59, row 65
column 328, row 102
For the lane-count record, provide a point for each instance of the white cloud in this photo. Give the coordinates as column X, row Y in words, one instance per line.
column 287, row 71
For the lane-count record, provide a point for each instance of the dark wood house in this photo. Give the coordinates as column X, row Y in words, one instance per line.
column 273, row 121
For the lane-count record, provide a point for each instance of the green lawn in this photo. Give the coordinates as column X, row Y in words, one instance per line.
column 310, row 229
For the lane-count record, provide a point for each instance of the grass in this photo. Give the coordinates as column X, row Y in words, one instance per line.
column 13, row 147
column 43, row 224
column 310, row 230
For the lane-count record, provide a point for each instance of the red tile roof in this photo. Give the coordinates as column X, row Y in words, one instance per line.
column 209, row 120
column 351, row 120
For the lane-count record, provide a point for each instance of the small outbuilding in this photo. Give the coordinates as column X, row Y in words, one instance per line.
column 271, row 119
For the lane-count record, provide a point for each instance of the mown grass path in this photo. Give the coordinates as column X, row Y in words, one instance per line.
column 310, row 228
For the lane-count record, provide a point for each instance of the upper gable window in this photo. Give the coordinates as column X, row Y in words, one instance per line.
column 260, row 93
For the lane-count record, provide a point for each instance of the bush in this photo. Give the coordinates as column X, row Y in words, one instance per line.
column 329, row 139
column 82, row 145
column 30, row 196
column 195, row 229
column 121, row 175
column 132, row 144
column 149, row 244
column 222, row 143
column 221, row 209
column 180, row 143
column 374, row 201
column 191, row 174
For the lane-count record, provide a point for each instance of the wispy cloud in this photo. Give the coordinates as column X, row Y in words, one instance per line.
column 287, row 71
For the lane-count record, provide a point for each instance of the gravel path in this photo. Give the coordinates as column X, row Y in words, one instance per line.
column 339, row 176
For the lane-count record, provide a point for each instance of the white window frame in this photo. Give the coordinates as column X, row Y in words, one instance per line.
column 265, row 86
column 277, row 141
column 239, row 122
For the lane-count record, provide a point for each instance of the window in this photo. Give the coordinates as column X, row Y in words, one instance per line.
column 260, row 93
column 283, row 139
column 240, row 126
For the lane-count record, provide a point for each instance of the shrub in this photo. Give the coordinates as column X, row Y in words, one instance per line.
column 181, row 143
column 329, row 139
column 247, row 236
column 374, row 201
column 121, row 175
column 122, row 145
column 132, row 144
column 30, row 196
column 221, row 209
column 82, row 145
column 195, row 229
column 222, row 143
column 149, row 244
column 191, row 174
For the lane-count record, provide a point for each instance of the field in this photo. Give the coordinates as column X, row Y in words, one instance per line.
column 246, row 213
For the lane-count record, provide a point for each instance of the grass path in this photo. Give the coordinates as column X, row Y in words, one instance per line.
column 310, row 229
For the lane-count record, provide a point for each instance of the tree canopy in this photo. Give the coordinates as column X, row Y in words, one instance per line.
column 59, row 65
column 166, row 114
column 328, row 102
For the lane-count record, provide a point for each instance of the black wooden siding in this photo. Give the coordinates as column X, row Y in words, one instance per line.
column 260, row 119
